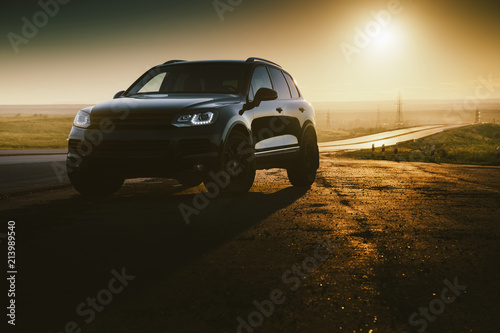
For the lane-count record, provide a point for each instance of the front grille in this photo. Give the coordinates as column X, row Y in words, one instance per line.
column 133, row 121
column 132, row 149
column 137, row 149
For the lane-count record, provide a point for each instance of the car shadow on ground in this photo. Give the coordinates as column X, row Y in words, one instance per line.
column 69, row 247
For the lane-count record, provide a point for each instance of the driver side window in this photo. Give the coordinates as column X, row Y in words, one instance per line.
column 260, row 79
column 153, row 85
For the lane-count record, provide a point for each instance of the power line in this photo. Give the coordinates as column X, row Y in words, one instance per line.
column 399, row 112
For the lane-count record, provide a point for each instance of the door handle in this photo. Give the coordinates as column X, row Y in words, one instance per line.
column 279, row 110
column 302, row 109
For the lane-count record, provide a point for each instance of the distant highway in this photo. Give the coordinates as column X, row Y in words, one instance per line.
column 386, row 138
column 27, row 170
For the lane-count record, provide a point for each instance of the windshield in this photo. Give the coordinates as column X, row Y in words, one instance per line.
column 192, row 78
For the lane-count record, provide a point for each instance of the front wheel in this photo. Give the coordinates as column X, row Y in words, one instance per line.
column 303, row 171
column 93, row 185
column 237, row 171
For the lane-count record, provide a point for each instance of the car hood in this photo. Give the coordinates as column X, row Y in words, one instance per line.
column 172, row 103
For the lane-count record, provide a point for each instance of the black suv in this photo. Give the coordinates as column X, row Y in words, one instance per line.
column 196, row 121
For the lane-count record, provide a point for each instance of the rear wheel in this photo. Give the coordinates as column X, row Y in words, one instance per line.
column 237, row 172
column 303, row 171
column 95, row 185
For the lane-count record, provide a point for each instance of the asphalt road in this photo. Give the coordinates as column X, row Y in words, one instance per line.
column 372, row 246
column 28, row 170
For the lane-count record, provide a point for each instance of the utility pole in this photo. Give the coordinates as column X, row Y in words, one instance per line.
column 328, row 119
column 399, row 112
column 378, row 124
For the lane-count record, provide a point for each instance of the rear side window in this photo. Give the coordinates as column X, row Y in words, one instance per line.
column 281, row 85
column 260, row 79
column 293, row 88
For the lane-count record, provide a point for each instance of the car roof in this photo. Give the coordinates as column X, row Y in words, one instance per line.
column 249, row 62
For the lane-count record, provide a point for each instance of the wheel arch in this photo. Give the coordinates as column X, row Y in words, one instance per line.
column 308, row 126
column 237, row 126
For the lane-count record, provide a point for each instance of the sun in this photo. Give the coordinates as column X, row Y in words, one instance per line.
column 388, row 38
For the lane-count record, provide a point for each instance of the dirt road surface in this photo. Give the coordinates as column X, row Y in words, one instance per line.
column 372, row 246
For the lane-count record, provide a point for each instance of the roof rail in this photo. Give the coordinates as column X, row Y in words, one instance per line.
column 172, row 62
column 260, row 59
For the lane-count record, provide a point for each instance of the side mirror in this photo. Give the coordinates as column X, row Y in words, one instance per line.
column 119, row 94
column 265, row 94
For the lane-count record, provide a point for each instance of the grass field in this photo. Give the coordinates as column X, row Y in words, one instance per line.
column 475, row 144
column 34, row 132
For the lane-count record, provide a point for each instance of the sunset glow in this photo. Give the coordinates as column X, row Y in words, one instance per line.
column 87, row 52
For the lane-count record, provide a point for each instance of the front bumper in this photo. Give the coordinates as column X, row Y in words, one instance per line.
column 148, row 153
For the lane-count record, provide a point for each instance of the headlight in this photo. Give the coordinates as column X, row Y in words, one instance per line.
column 82, row 119
column 194, row 119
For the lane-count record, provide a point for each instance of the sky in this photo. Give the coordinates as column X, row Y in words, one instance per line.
column 84, row 51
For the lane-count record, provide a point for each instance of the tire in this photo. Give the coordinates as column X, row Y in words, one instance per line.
column 94, row 185
column 303, row 171
column 236, row 166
